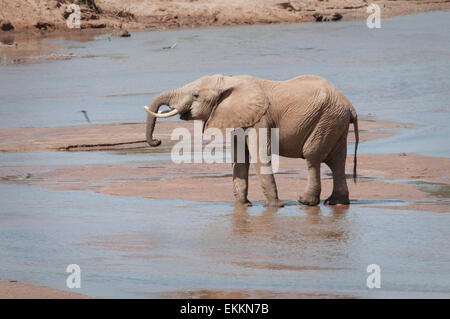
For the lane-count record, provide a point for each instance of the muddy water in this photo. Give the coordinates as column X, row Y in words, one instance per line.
column 136, row 247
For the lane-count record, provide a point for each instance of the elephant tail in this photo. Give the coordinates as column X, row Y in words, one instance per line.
column 354, row 120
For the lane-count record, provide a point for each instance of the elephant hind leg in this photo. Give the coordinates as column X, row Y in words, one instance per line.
column 311, row 194
column 336, row 162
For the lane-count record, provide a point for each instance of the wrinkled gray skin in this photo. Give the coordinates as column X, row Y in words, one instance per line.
column 312, row 115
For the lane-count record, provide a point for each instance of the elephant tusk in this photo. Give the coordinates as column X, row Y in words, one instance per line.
column 162, row 114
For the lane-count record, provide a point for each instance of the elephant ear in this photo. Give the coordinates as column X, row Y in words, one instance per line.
column 241, row 104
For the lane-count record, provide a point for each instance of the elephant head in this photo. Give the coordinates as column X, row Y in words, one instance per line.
column 220, row 101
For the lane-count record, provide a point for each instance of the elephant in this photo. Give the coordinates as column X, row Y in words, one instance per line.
column 311, row 114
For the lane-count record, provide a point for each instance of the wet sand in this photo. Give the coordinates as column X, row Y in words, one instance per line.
column 18, row 290
column 131, row 136
column 418, row 182
column 48, row 17
column 249, row 294
column 380, row 178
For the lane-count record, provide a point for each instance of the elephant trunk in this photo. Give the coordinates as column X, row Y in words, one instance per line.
column 160, row 99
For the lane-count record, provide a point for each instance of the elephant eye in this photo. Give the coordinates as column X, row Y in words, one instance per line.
column 195, row 95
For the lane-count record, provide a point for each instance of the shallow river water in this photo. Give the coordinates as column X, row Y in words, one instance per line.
column 137, row 247
column 399, row 72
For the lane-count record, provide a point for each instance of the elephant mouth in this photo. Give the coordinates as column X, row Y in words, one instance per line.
column 186, row 116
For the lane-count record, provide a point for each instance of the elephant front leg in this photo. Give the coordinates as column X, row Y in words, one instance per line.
column 260, row 152
column 268, row 184
column 240, row 177
column 240, row 184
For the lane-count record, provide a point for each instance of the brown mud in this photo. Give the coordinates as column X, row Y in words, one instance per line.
column 18, row 290
column 45, row 17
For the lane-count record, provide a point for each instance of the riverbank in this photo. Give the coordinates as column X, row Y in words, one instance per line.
column 131, row 136
column 18, row 290
column 49, row 16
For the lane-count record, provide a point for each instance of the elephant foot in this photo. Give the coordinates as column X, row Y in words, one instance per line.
column 309, row 200
column 243, row 203
column 337, row 200
column 274, row 203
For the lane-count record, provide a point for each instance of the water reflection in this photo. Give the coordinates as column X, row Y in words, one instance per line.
column 265, row 223
column 292, row 238
column 157, row 248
